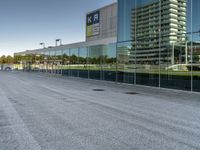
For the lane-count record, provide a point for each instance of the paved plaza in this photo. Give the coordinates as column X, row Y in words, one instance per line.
column 47, row 112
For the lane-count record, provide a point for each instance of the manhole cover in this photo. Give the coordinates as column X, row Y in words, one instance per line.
column 131, row 93
column 98, row 90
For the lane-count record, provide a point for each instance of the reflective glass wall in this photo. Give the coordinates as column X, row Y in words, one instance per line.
column 83, row 63
column 74, row 62
column 194, row 42
column 109, row 62
column 93, row 62
column 66, row 62
column 159, row 43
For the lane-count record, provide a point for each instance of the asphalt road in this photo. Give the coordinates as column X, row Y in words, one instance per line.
column 41, row 112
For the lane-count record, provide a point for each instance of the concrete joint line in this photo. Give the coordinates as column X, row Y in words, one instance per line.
column 23, row 136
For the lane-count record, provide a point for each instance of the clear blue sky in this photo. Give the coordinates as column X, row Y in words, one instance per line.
column 26, row 23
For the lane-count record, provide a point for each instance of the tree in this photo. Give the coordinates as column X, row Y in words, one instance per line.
column 9, row 59
column 3, row 59
column 6, row 59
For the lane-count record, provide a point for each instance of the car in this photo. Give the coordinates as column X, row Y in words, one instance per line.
column 184, row 67
column 7, row 68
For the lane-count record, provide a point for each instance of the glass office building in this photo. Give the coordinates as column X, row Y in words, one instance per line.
column 157, row 43
column 93, row 60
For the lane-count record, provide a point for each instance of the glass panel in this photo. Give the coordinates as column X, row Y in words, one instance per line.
column 32, row 62
column 42, row 60
column 195, row 44
column 58, row 62
column 27, row 62
column 125, row 8
column 83, row 60
column 38, row 61
column 95, row 61
column 145, row 29
column 52, row 58
column 175, row 64
column 74, row 62
column 124, row 19
column 65, row 64
column 18, row 62
column 46, row 61
column 138, row 42
column 109, row 62
column 125, row 66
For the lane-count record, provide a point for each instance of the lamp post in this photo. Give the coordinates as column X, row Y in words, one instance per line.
column 43, row 44
column 56, row 44
column 58, row 40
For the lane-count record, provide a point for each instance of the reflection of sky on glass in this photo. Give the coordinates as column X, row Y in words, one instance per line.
column 111, row 53
column 66, row 52
column 74, row 51
column 195, row 18
column 196, row 15
column 83, row 52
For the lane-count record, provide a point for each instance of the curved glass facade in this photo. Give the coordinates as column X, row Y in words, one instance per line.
column 158, row 45
column 93, row 62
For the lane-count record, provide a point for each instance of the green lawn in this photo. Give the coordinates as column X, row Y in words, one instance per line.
column 154, row 71
column 128, row 70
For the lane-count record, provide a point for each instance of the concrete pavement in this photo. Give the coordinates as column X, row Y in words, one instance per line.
column 42, row 112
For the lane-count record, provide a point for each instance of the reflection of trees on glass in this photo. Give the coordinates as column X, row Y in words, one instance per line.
column 17, row 59
column 74, row 59
column 196, row 52
column 82, row 60
column 6, row 59
column 74, row 56
column 65, row 59
column 95, row 60
column 108, row 60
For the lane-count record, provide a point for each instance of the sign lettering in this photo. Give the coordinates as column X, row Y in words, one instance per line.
column 93, row 24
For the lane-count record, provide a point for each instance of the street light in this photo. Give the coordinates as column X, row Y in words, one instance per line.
column 58, row 40
column 43, row 44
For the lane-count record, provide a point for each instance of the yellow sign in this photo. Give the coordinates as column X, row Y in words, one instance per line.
column 89, row 30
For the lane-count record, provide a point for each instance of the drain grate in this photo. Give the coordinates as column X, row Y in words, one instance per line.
column 131, row 93
column 98, row 90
